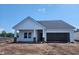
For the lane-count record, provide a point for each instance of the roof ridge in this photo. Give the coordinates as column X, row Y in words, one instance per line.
column 49, row 20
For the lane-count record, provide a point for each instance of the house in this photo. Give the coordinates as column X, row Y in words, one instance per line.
column 77, row 35
column 31, row 30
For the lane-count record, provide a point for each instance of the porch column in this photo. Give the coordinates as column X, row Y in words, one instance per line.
column 44, row 35
column 15, row 35
column 35, row 35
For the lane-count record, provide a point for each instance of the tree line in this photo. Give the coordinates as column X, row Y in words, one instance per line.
column 5, row 34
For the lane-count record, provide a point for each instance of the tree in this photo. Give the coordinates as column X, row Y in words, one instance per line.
column 3, row 34
column 9, row 35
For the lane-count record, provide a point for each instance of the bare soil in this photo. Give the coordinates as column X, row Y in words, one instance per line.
column 9, row 48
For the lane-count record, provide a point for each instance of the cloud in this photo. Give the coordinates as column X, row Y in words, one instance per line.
column 42, row 9
column 1, row 29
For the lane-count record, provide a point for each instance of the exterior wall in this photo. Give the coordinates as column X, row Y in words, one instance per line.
column 44, row 34
column 21, row 36
column 28, row 24
column 70, row 31
column 58, row 30
column 77, row 35
column 72, row 36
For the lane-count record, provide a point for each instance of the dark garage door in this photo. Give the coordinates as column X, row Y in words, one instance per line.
column 58, row 37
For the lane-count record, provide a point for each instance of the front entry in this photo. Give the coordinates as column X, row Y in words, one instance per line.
column 40, row 35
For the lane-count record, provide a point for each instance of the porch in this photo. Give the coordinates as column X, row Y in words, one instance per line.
column 30, row 35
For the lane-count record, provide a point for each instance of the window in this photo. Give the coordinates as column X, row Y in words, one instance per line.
column 29, row 35
column 25, row 35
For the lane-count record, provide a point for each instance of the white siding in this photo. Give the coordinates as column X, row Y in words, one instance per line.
column 44, row 34
column 72, row 36
column 58, row 30
column 28, row 24
column 71, row 32
column 77, row 35
column 21, row 36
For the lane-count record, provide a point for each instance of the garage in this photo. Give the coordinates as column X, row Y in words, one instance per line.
column 58, row 37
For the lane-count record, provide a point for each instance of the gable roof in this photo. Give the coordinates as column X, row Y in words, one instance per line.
column 56, row 24
column 27, row 18
column 50, row 24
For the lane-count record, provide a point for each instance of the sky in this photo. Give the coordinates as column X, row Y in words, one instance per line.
column 11, row 14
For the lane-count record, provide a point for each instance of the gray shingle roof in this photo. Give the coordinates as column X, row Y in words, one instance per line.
column 51, row 24
column 56, row 24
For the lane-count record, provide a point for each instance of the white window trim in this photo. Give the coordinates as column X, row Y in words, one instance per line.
column 28, row 35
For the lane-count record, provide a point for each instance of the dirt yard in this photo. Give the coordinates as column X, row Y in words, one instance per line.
column 9, row 48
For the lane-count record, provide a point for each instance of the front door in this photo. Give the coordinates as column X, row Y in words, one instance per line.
column 40, row 36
